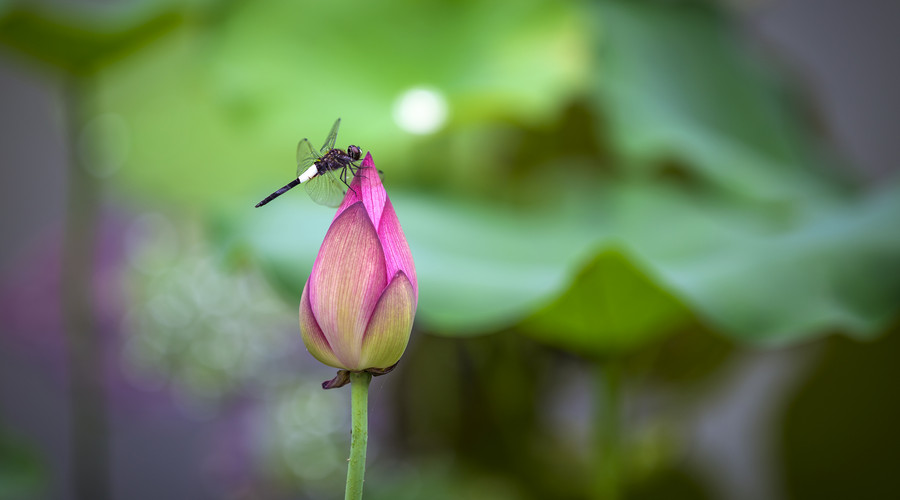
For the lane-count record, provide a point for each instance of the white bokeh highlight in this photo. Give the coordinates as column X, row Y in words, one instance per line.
column 420, row 110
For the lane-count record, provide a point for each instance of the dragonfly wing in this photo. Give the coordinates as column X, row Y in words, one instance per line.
column 306, row 156
column 326, row 189
column 332, row 136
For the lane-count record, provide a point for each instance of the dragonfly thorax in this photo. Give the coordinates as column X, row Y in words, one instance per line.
column 337, row 159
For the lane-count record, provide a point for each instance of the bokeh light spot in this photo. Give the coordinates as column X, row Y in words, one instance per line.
column 420, row 111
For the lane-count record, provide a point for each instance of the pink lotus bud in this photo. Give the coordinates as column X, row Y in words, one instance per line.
column 357, row 308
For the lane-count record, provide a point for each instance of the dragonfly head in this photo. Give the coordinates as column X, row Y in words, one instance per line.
column 354, row 152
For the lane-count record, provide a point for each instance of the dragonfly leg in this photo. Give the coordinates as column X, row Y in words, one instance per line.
column 355, row 169
column 343, row 178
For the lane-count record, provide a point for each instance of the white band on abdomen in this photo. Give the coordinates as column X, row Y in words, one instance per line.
column 309, row 174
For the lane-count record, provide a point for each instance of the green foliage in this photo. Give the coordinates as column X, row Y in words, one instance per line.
column 261, row 76
column 701, row 173
column 611, row 306
column 752, row 276
column 754, row 238
column 677, row 82
column 81, row 40
column 762, row 277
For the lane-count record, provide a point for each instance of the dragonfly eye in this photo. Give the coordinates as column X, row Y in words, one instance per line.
column 354, row 152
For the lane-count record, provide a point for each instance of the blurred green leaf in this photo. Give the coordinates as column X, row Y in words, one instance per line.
column 220, row 105
column 763, row 278
column 789, row 258
column 676, row 81
column 81, row 39
column 610, row 306
column 750, row 275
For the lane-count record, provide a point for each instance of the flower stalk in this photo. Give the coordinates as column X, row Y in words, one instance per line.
column 359, row 403
column 608, row 440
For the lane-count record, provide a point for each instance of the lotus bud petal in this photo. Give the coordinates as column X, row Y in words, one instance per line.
column 357, row 308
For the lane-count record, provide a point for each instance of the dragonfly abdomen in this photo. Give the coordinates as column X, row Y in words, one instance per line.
column 278, row 193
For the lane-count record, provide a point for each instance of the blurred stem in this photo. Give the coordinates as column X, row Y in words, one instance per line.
column 608, row 414
column 87, row 402
column 359, row 404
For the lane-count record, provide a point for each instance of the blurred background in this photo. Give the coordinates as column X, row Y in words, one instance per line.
column 658, row 248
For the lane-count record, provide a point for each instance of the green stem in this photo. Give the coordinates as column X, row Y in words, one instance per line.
column 609, row 401
column 359, row 403
column 87, row 399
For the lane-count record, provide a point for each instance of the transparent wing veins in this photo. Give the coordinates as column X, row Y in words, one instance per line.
column 332, row 136
column 326, row 189
column 306, row 156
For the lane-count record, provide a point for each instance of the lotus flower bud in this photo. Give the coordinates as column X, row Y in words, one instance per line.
column 357, row 308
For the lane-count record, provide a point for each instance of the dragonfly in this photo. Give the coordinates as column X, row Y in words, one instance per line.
column 323, row 173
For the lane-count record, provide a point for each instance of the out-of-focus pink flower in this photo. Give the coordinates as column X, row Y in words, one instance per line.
column 357, row 308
